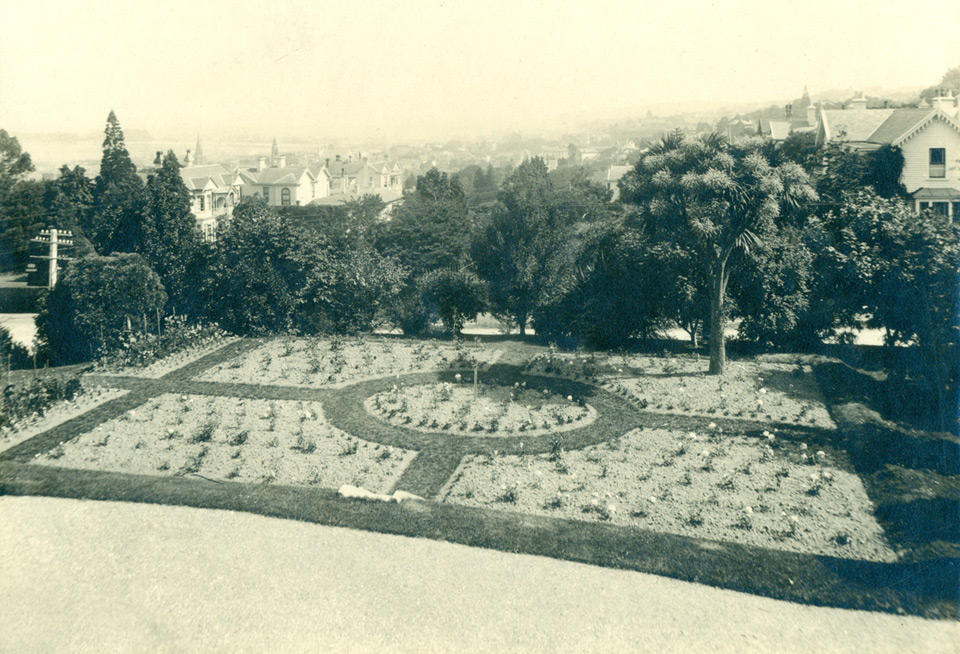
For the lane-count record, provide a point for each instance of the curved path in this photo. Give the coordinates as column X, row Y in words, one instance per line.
column 84, row 576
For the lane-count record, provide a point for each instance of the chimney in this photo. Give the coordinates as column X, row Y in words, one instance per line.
column 261, row 163
column 338, row 157
column 159, row 160
column 788, row 111
column 859, row 103
column 945, row 102
column 283, row 161
column 188, row 159
column 811, row 114
column 328, row 162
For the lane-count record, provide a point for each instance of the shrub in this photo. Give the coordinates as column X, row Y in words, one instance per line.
column 455, row 296
column 22, row 400
column 140, row 349
column 410, row 314
column 96, row 303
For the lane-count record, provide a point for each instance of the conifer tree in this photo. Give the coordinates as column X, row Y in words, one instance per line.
column 115, row 224
column 171, row 241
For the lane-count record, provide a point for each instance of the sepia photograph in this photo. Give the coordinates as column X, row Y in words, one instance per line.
column 480, row 326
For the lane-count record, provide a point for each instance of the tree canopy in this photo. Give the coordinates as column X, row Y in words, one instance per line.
column 715, row 198
column 116, row 222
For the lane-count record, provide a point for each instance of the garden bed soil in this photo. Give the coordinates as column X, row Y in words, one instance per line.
column 89, row 398
column 333, row 363
column 495, row 410
column 767, row 392
column 722, row 487
column 167, row 364
column 256, row 441
column 735, row 486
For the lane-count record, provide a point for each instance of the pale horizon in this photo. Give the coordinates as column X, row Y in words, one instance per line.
column 418, row 71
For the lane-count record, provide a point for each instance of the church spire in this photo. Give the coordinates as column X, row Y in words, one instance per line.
column 198, row 153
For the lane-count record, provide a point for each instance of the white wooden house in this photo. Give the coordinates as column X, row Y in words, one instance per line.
column 928, row 137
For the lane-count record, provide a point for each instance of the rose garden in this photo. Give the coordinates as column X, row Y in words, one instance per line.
column 750, row 466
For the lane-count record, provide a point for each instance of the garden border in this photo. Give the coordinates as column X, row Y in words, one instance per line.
column 924, row 587
column 914, row 588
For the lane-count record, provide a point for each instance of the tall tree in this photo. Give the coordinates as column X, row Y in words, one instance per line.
column 256, row 271
column 14, row 162
column 116, row 222
column 430, row 230
column 69, row 198
column 717, row 198
column 171, row 240
column 21, row 213
column 518, row 247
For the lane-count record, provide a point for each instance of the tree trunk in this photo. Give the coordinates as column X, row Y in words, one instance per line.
column 718, row 345
column 522, row 321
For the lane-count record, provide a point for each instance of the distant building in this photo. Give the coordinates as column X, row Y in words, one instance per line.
column 358, row 177
column 929, row 139
column 281, row 185
column 214, row 191
column 614, row 173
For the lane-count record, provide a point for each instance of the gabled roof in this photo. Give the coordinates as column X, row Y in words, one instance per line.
column 344, row 169
column 779, row 129
column 856, row 125
column 319, row 171
column 210, row 177
column 899, row 123
column 881, row 126
column 276, row 176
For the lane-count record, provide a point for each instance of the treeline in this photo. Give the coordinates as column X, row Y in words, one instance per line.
column 798, row 243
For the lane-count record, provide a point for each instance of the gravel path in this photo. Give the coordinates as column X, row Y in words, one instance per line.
column 84, row 576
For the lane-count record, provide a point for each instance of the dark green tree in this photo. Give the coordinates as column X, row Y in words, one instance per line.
column 597, row 292
column 455, row 296
column 94, row 304
column 519, row 244
column 431, row 229
column 68, row 200
column 21, row 219
column 21, row 215
column 717, row 198
column 116, row 222
column 256, row 271
column 170, row 240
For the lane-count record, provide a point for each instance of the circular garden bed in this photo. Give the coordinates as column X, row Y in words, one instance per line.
column 603, row 416
column 494, row 410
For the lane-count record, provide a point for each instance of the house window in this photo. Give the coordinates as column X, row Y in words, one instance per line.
column 203, row 200
column 941, row 208
column 266, row 194
column 938, row 162
column 956, row 211
column 285, row 197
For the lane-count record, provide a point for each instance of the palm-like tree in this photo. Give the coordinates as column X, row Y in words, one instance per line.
column 716, row 198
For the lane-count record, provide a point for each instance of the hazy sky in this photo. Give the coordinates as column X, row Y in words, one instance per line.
column 408, row 69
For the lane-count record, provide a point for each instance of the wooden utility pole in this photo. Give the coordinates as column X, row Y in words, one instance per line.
column 53, row 238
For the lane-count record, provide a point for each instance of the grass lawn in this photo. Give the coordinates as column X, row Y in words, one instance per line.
column 601, row 452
